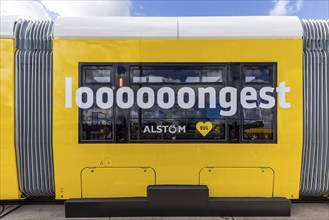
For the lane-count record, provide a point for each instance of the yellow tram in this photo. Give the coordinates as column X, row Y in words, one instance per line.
column 154, row 116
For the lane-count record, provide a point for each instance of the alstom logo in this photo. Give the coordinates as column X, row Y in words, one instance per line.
column 166, row 97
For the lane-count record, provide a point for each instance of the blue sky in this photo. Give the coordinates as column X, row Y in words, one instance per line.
column 50, row 9
column 309, row 9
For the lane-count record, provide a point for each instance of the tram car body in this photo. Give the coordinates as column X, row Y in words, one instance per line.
column 154, row 116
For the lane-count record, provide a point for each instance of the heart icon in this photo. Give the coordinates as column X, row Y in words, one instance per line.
column 204, row 127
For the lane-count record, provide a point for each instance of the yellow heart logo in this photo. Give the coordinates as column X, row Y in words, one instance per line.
column 204, row 127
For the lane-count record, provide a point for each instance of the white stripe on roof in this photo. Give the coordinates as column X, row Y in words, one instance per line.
column 116, row 27
column 7, row 23
column 179, row 28
column 240, row 27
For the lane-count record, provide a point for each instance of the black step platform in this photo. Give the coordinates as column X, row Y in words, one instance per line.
column 177, row 200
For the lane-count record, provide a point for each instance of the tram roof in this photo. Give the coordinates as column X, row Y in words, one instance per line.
column 179, row 27
column 7, row 23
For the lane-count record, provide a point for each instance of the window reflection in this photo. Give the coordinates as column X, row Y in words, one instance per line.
column 97, row 74
column 152, row 124
column 135, row 124
column 258, row 75
column 178, row 75
column 258, row 123
column 96, row 123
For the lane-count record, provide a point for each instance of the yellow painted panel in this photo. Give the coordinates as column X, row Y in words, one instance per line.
column 102, row 182
column 238, row 181
column 8, row 168
column 178, row 163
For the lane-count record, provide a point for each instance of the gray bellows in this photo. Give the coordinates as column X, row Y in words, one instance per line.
column 315, row 162
column 33, row 112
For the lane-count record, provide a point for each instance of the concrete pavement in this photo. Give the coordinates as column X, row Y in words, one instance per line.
column 307, row 211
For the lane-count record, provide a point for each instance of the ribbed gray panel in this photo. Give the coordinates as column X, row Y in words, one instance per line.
column 33, row 96
column 315, row 164
column 34, row 35
column 316, row 35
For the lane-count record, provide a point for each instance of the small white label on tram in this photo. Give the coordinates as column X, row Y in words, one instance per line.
column 173, row 129
column 185, row 97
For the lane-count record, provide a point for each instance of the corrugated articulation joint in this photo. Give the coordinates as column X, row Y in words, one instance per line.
column 33, row 111
column 315, row 162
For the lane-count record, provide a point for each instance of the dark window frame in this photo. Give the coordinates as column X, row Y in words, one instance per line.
column 81, row 83
column 224, row 83
column 273, row 65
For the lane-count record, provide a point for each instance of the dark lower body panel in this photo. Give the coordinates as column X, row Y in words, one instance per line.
column 177, row 201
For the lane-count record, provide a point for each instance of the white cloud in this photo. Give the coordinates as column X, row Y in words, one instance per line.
column 88, row 8
column 286, row 7
column 280, row 8
column 299, row 5
column 23, row 9
column 46, row 9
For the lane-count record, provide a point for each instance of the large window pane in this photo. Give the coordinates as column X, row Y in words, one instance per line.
column 258, row 75
column 96, row 124
column 97, row 74
column 258, row 123
column 199, row 122
column 177, row 123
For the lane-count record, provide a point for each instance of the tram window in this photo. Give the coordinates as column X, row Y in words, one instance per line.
column 259, row 124
column 178, row 74
column 177, row 124
column 96, row 124
column 97, row 75
column 258, row 75
column 191, row 114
